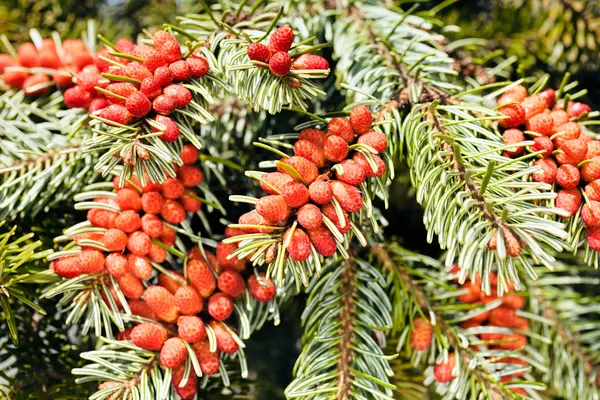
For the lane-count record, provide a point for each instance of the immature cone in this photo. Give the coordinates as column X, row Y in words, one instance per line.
column 309, row 216
column 274, row 180
column 513, row 301
column 115, row 240
column 152, row 226
column 295, row 194
column 201, row 277
column 261, row 293
column 138, row 104
column 198, row 66
column 513, row 341
column 225, row 342
column 420, row 339
column 157, row 254
column 191, row 329
column 172, row 212
column 512, row 136
column 189, row 390
column 593, row 238
column 376, row 140
column 310, row 61
column 128, row 221
column 320, row 192
column 590, row 214
column 533, row 105
column 67, row 267
column 258, row 52
column 273, row 208
column 209, row 361
column 328, row 211
column 310, row 151
column 503, row 316
column 559, row 117
column 280, row 63
column 547, row 172
column 514, row 116
column 312, row 135
column 543, row 143
column 137, row 71
column 592, row 190
column 233, row 264
column 173, row 353
column 341, row 127
column 188, row 301
column 220, row 306
column 361, row 159
column 254, row 218
column 351, row 172
column 139, row 243
column 567, row 176
column 308, row 170
column 76, row 97
column 162, row 302
column 129, row 199
column 116, row 113
column 171, row 131
column 443, row 372
column 281, row 40
column 574, row 152
column 541, row 123
column 172, row 188
column 91, row 261
column 139, row 307
column 472, row 295
column 569, row 200
column 335, row 148
column 149, row 336
column 131, row 286
column 361, row 119
column 593, row 149
column 299, row 246
column 323, row 241
column 348, row 196
column 124, row 89
column 566, row 131
column 140, row 267
column 152, row 203
column 231, row 283
column 591, row 170
column 169, row 283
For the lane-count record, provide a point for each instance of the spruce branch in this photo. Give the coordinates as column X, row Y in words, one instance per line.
column 140, row 146
column 568, row 317
column 341, row 358
column 228, row 38
column 17, row 268
column 39, row 165
column 223, row 40
column 268, row 244
column 462, row 161
column 126, row 370
column 499, row 203
column 420, row 289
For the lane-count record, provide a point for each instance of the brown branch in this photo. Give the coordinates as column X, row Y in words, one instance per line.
column 346, row 330
column 385, row 259
column 513, row 245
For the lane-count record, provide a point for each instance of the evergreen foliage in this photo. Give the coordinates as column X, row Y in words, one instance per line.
column 342, row 326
